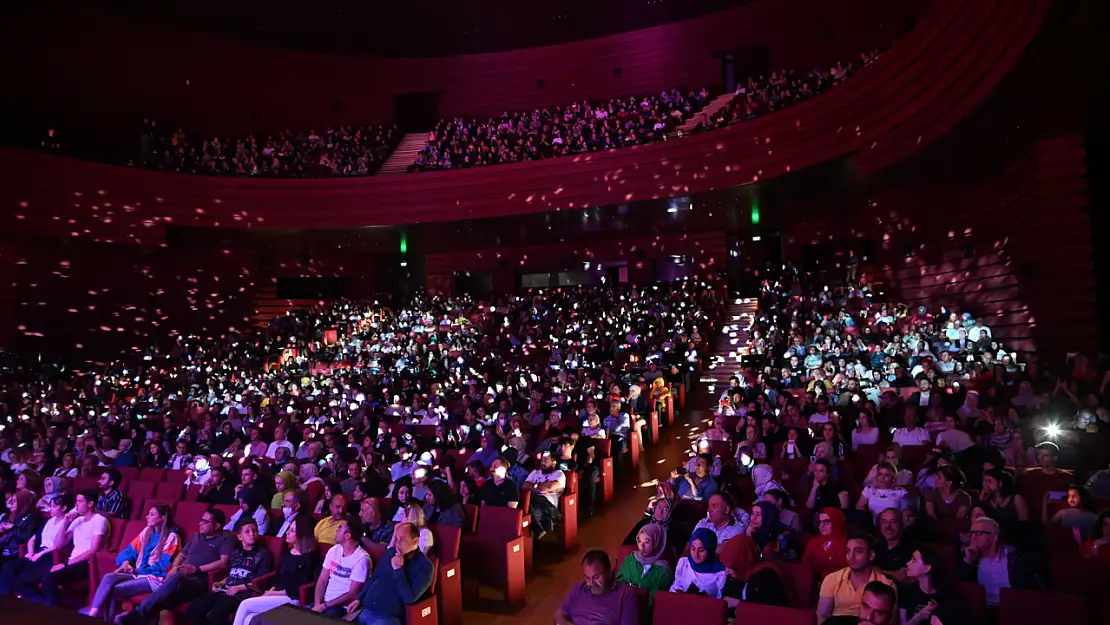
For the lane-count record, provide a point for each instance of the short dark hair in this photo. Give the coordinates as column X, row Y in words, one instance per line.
column 354, row 526
column 244, row 521
column 90, row 495
column 218, row 516
column 867, row 539
column 880, row 589
column 1049, row 445
column 114, row 476
column 65, row 500
column 779, row 495
column 597, row 556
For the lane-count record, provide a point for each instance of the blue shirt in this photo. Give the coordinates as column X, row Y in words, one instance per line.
column 388, row 591
column 704, row 491
column 618, row 426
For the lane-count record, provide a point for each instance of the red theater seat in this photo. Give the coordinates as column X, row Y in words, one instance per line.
column 152, row 475
column 449, row 581
column 757, row 613
column 174, row 491
column 137, row 493
column 495, row 555
column 1031, row 607
column 674, row 607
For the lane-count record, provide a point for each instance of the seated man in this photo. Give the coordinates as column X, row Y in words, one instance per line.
column 548, row 483
column 842, row 591
column 326, row 528
column 248, row 563
column 345, row 569
column 111, row 502
column 499, row 490
column 89, row 530
column 187, row 579
column 599, row 599
column 291, row 504
column 877, row 606
column 995, row 565
column 403, row 575
column 217, row 490
column 894, row 551
column 699, row 486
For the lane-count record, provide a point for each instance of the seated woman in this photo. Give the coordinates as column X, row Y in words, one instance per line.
column 413, row 513
column 250, row 507
column 926, row 598
column 28, row 569
column 825, row 492
column 645, row 568
column 20, row 524
column 284, row 482
column 1078, row 516
column 738, row 555
column 142, row 565
column 297, row 566
column 763, row 477
column 769, row 535
column 441, row 506
column 883, row 494
column 701, row 572
column 1000, row 501
column 52, row 488
column 825, row 553
column 658, row 511
column 946, row 499
column 892, row 456
column 752, row 445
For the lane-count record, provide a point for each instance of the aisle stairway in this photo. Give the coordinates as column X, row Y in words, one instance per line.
column 267, row 305
column 711, row 109
column 404, row 154
column 730, row 344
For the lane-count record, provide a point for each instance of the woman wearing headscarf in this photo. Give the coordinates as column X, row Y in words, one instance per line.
column 701, row 572
column 763, row 476
column 250, row 507
column 659, row 510
column 825, row 553
column 738, row 555
column 769, row 535
column 284, row 482
column 645, row 568
column 311, row 483
column 53, row 488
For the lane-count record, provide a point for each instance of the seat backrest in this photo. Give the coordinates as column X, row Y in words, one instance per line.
column 974, row 597
column 1080, row 575
column 1036, row 607
column 689, row 511
column 623, row 552
column 470, row 518
column 571, row 487
column 758, row 613
column 187, row 516
column 604, row 448
column 176, row 475
column 192, row 492
column 174, row 491
column 800, row 584
column 674, row 607
column 228, row 510
column 130, row 531
column 82, row 484
column 115, row 533
column 275, row 546
column 129, row 473
column 138, row 492
column 502, row 524
column 448, row 540
column 152, row 474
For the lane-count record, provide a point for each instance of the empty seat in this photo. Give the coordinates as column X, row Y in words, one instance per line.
column 758, row 613
column 173, row 491
column 495, row 554
column 1032, row 607
column 137, row 493
column 150, row 474
column 448, row 543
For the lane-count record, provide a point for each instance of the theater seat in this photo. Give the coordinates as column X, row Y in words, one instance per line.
column 149, row 474
column 758, row 613
column 673, row 607
column 800, row 584
column 449, row 575
column 137, row 493
column 495, row 554
column 975, row 598
column 1033, row 607
column 174, row 491
column 568, row 508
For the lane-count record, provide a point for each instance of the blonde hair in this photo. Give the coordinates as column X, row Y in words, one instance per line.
column 414, row 514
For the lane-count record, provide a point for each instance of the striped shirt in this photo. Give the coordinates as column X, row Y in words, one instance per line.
column 113, row 505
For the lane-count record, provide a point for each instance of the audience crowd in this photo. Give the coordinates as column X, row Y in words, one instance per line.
column 760, row 95
column 551, row 132
column 313, row 467
column 340, row 151
column 895, row 463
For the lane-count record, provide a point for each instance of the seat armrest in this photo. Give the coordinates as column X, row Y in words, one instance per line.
column 262, row 583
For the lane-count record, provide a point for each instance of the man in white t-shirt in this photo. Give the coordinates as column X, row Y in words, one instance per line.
column 90, row 532
column 548, row 482
column 345, row 570
column 279, row 442
column 953, row 438
column 911, row 434
column 822, row 414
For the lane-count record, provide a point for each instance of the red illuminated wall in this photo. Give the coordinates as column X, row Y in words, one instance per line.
column 706, row 249
column 92, row 67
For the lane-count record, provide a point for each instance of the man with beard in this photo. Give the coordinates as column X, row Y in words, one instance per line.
column 599, row 600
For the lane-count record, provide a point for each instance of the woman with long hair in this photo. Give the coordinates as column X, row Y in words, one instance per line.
column 925, row 597
column 825, row 491
column 1000, row 499
column 297, row 566
column 1078, row 515
column 21, row 523
column 141, row 566
column 441, row 507
column 883, row 494
column 947, row 499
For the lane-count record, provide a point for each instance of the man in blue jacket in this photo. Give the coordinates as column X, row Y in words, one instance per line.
column 400, row 578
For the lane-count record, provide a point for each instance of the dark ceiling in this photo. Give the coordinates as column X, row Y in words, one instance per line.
column 407, row 28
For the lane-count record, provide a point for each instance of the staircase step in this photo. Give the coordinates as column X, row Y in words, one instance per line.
column 404, row 154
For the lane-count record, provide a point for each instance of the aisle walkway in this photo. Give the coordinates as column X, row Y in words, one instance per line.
column 555, row 570
column 730, row 344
